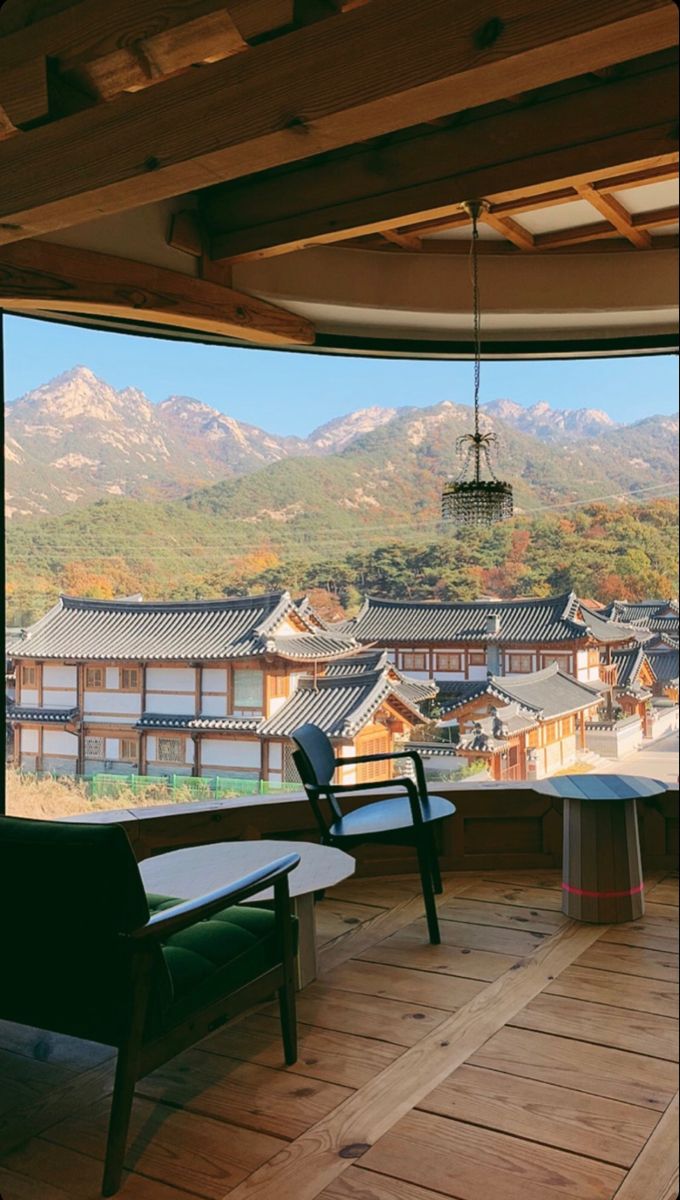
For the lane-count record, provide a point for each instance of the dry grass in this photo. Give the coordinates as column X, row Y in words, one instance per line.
column 27, row 796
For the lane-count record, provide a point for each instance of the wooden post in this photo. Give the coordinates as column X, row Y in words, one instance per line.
column 80, row 698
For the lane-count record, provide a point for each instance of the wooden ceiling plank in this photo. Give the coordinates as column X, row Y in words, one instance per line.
column 403, row 64
column 571, row 237
column 45, row 276
column 510, row 229
column 511, row 156
column 407, row 241
column 658, row 216
column 616, row 214
column 654, row 174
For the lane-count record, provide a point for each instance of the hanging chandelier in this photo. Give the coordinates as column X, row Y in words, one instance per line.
column 470, row 499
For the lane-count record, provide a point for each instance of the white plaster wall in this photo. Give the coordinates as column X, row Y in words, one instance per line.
column 180, row 679
column 286, row 627
column 214, row 679
column 275, row 703
column 58, row 741
column 447, row 674
column 425, row 674
column 189, row 751
column 582, row 664
column 214, row 706
column 128, row 703
column 29, row 741
column 568, row 749
column 275, row 755
column 477, row 672
column 112, row 747
column 150, row 747
column 28, row 696
column 60, row 699
column 59, row 677
column 158, row 702
column 113, row 678
column 230, row 752
column 553, row 758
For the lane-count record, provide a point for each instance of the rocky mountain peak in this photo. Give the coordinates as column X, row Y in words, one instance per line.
column 335, row 435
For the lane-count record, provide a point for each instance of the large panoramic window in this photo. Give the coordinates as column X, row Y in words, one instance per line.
column 193, row 568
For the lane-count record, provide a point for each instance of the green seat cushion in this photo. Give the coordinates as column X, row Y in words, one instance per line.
column 217, row 955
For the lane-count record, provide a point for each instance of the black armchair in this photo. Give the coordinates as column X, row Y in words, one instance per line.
column 87, row 953
column 402, row 820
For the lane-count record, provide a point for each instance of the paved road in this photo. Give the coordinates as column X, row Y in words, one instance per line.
column 656, row 760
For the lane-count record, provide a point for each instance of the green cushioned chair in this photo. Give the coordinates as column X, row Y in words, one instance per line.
column 86, row 952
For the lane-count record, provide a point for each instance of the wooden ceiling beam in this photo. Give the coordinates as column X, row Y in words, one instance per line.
column 44, row 276
column 658, row 216
column 515, row 156
column 379, row 68
column 572, row 237
column 407, row 241
column 111, row 48
column 616, row 214
column 510, row 229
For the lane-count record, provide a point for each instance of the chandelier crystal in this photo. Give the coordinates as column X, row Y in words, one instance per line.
column 471, row 499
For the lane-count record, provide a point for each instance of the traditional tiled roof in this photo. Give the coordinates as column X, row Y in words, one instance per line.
column 629, row 663
column 665, row 665
column 308, row 646
column 547, row 694
column 413, row 690
column 340, row 706
column 51, row 716
column 88, row 630
column 307, row 611
column 197, row 724
column 511, row 717
column 642, row 610
column 606, row 630
column 554, row 619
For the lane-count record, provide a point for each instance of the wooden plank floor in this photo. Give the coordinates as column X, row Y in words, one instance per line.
column 526, row 1058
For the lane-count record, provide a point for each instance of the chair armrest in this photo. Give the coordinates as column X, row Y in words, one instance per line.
column 412, row 754
column 402, row 782
column 172, row 920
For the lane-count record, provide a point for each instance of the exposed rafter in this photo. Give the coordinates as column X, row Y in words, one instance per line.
column 44, row 276
column 403, row 63
column 616, row 214
column 535, row 152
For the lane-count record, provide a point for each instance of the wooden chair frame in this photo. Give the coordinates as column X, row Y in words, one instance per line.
column 419, row 834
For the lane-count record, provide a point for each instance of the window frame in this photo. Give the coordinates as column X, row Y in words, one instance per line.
column 30, row 670
column 181, row 755
column 448, row 655
column 241, row 673
column 563, row 659
column 94, row 737
column 95, row 687
column 127, row 687
column 476, row 658
column 526, row 657
column 134, row 743
column 413, row 654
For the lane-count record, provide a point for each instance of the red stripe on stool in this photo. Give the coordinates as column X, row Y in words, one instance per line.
column 574, row 891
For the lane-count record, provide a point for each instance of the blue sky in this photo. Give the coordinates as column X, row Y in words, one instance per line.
column 293, row 393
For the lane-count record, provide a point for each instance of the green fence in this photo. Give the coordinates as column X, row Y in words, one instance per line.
column 213, row 787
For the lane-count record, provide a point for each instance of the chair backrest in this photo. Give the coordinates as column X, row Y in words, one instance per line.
column 67, row 890
column 316, row 755
column 315, row 761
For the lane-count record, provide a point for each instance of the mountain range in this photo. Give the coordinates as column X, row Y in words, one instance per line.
column 76, row 439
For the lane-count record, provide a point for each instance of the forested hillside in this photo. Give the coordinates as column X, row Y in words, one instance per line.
column 176, row 551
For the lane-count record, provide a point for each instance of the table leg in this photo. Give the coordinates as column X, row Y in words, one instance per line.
column 306, row 968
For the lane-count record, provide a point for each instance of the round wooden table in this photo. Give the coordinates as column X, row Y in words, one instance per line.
column 601, row 866
column 200, row 869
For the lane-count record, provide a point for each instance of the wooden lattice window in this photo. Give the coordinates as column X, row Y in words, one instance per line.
column 563, row 662
column 129, row 679
column 477, row 658
column 170, row 750
column 248, row 688
column 95, row 679
column 94, row 747
column 412, row 661
column 378, row 744
column 449, row 662
column 128, row 749
column 29, row 676
column 594, row 656
column 520, row 664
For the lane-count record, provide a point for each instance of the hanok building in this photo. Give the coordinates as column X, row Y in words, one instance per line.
column 207, row 688
column 525, row 727
column 470, row 640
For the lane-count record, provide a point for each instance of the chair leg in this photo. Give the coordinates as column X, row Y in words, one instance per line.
column 288, row 1021
column 434, row 862
column 119, row 1120
column 425, row 864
